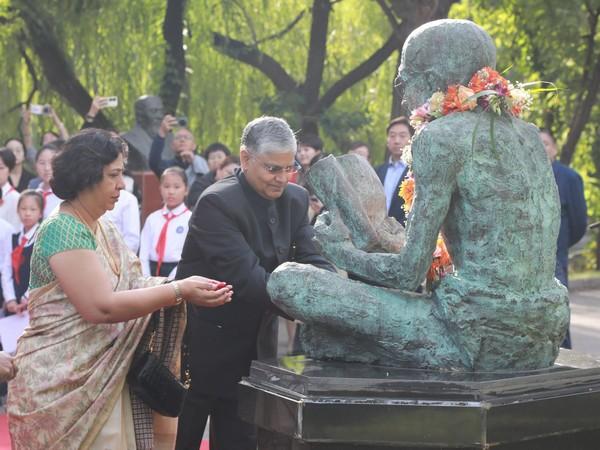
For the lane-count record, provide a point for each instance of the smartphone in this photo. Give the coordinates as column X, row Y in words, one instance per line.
column 39, row 109
column 182, row 121
column 112, row 102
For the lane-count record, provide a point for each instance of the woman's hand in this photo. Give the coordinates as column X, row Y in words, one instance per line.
column 205, row 292
column 7, row 367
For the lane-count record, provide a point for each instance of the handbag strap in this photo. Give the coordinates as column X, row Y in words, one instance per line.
column 167, row 338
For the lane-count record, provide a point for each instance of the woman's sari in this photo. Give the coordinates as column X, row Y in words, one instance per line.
column 71, row 382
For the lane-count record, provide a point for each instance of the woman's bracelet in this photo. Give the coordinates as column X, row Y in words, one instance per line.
column 178, row 297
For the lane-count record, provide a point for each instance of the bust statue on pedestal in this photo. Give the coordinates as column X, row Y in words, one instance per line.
column 148, row 116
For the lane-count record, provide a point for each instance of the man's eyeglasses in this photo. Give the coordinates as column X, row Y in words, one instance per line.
column 276, row 170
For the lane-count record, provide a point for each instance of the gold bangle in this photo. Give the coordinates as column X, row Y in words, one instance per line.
column 178, row 297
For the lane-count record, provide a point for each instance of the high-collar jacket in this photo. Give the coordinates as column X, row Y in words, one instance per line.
column 238, row 237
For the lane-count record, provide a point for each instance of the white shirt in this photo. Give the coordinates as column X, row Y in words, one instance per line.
column 126, row 217
column 8, row 288
column 51, row 201
column 8, row 209
column 176, row 233
column 6, row 232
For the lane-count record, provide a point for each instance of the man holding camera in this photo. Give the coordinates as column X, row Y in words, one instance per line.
column 183, row 146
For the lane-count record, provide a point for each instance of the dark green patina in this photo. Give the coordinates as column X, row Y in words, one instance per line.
column 485, row 182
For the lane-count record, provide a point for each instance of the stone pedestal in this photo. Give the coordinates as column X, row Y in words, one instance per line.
column 304, row 404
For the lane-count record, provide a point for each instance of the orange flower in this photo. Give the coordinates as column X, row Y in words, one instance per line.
column 442, row 262
column 456, row 99
column 407, row 192
column 487, row 78
column 477, row 83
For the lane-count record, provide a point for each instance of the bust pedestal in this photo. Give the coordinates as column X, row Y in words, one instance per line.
column 304, row 404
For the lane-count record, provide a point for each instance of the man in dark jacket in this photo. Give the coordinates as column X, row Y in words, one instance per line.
column 573, row 212
column 394, row 171
column 242, row 228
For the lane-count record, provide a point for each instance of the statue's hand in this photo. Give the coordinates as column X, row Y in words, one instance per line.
column 332, row 238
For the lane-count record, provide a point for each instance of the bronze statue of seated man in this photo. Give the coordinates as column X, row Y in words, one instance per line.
column 484, row 181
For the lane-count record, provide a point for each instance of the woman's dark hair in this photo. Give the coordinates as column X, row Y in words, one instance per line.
column 8, row 158
column 39, row 198
column 15, row 139
column 231, row 159
column 50, row 147
column 216, row 147
column 311, row 140
column 81, row 164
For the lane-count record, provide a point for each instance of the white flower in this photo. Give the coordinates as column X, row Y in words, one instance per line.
column 407, row 155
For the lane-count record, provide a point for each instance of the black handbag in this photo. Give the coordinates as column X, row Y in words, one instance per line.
column 152, row 381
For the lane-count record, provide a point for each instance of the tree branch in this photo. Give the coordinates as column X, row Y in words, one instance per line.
column 254, row 57
column 389, row 13
column 56, row 66
column 283, row 32
column 360, row 72
column 248, row 21
column 581, row 115
column 30, row 68
column 317, row 50
column 587, row 97
column 174, row 71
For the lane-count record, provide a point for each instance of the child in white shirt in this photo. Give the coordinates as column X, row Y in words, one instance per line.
column 16, row 265
column 43, row 167
column 10, row 196
column 165, row 230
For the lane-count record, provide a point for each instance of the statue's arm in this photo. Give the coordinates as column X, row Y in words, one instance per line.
column 435, row 167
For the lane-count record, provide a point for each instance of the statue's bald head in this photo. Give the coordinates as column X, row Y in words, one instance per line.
column 441, row 53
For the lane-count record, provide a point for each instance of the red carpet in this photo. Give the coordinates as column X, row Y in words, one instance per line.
column 5, row 439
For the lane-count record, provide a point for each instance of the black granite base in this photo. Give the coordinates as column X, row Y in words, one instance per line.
column 303, row 404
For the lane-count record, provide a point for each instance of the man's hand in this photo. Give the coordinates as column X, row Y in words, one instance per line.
column 187, row 157
column 7, row 367
column 167, row 124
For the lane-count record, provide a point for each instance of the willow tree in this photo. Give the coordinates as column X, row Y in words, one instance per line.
column 70, row 50
column 310, row 95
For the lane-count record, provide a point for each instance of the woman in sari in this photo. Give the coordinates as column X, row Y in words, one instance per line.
column 89, row 307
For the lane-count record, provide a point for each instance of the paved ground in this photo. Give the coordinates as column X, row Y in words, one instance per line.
column 585, row 321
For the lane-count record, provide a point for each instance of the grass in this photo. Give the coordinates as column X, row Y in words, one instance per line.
column 586, row 275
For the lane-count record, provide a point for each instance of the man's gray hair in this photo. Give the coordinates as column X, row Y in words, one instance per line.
column 269, row 135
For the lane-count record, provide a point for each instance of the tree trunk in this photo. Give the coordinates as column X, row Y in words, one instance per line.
column 396, row 94
column 587, row 98
column 581, row 116
column 174, row 72
column 57, row 68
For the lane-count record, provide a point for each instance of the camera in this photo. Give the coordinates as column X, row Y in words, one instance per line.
column 112, row 102
column 40, row 109
column 182, row 121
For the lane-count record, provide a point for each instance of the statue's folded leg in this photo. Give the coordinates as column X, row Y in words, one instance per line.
column 390, row 326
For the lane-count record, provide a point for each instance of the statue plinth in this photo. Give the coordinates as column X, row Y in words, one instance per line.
column 333, row 406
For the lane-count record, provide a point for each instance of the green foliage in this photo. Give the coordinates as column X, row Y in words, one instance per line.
column 117, row 49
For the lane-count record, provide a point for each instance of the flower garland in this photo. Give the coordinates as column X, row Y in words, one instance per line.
column 487, row 89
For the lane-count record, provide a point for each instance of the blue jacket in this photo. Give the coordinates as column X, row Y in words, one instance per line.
column 573, row 215
column 396, row 207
